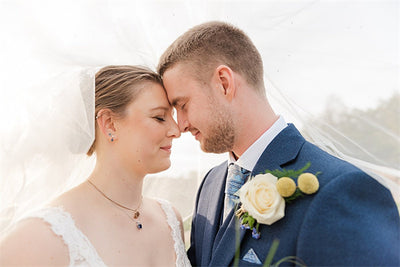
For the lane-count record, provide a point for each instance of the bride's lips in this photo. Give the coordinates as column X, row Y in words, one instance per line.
column 166, row 148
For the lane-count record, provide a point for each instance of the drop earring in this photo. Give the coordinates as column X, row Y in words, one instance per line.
column 112, row 137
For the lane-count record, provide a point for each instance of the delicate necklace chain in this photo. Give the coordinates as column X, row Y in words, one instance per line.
column 136, row 213
column 139, row 225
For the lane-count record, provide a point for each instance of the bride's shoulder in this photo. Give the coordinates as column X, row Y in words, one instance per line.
column 165, row 204
column 168, row 208
column 37, row 238
column 32, row 241
column 78, row 202
column 73, row 197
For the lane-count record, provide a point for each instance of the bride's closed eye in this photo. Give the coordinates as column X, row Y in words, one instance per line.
column 159, row 118
column 160, row 113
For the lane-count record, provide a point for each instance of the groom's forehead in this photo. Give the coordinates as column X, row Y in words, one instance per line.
column 181, row 70
column 176, row 79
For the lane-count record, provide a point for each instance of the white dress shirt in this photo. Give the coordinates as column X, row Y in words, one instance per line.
column 250, row 157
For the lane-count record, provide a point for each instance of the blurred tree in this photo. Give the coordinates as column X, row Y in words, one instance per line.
column 372, row 135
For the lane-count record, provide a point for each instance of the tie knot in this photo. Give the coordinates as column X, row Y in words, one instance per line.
column 237, row 169
column 237, row 176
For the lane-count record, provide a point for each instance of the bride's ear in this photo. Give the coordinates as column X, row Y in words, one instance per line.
column 106, row 122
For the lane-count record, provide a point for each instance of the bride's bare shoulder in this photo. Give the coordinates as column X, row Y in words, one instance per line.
column 32, row 242
column 77, row 201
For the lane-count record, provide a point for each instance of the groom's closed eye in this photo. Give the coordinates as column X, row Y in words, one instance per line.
column 179, row 102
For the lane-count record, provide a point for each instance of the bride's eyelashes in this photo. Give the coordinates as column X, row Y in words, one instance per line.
column 159, row 118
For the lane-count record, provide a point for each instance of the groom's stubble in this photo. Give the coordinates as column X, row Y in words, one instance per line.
column 221, row 132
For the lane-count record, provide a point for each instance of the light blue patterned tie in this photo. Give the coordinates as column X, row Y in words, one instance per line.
column 236, row 177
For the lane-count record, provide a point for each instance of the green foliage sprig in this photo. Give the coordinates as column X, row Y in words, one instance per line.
column 293, row 174
column 293, row 197
column 288, row 173
column 289, row 259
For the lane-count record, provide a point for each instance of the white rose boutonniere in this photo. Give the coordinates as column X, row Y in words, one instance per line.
column 262, row 200
column 264, row 196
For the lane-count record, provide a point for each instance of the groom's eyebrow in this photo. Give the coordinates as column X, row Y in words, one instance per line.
column 177, row 100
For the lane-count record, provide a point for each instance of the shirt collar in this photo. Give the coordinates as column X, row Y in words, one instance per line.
column 250, row 157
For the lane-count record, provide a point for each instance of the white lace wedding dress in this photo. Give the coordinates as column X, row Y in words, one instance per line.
column 82, row 252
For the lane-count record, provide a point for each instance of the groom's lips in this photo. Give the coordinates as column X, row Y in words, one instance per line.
column 196, row 135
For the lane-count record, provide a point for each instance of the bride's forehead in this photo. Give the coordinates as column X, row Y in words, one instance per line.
column 151, row 100
column 151, row 91
column 153, row 96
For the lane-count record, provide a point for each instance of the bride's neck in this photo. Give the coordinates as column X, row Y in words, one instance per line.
column 117, row 183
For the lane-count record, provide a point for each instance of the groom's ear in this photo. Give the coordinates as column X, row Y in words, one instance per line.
column 225, row 83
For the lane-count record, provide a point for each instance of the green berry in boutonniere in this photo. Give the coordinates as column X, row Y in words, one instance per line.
column 263, row 197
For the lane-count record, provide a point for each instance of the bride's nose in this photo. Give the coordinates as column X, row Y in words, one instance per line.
column 173, row 130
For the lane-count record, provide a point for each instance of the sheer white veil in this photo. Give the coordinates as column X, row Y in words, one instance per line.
column 43, row 153
column 330, row 67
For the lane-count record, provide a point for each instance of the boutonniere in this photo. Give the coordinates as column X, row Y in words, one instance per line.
column 264, row 196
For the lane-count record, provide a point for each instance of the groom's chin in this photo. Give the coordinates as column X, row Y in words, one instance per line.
column 208, row 148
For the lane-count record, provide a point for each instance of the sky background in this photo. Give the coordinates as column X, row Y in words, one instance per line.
column 312, row 51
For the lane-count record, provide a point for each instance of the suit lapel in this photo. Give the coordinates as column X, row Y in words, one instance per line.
column 283, row 149
column 214, row 202
column 225, row 241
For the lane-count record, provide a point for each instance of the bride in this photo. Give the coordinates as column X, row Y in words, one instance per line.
column 106, row 220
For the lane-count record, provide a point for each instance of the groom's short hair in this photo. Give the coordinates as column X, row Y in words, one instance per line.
column 210, row 44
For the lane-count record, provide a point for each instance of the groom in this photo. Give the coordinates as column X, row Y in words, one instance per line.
column 213, row 75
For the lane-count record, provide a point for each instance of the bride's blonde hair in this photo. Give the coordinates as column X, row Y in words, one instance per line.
column 117, row 86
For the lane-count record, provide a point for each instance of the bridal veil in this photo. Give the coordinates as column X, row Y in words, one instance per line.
column 331, row 67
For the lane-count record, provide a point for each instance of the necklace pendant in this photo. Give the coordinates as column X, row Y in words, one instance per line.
column 136, row 214
column 139, row 226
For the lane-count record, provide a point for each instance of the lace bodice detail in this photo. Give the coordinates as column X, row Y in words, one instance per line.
column 181, row 256
column 82, row 252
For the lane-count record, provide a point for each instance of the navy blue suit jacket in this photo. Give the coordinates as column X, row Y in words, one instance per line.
column 351, row 221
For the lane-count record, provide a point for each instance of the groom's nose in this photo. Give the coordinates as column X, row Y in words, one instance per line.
column 183, row 123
